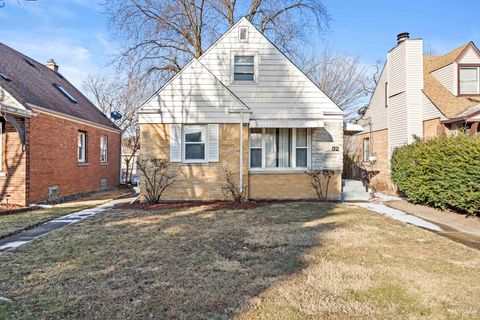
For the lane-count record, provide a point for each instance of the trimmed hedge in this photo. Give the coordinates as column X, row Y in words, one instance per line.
column 443, row 172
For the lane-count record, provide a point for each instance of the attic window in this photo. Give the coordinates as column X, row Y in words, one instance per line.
column 5, row 77
column 65, row 92
column 243, row 34
column 29, row 62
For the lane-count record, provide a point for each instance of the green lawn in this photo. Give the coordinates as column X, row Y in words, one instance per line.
column 283, row 261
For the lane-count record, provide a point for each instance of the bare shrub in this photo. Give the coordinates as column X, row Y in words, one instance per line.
column 157, row 177
column 232, row 190
column 317, row 182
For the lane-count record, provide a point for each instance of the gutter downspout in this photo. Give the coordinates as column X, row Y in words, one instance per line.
column 241, row 151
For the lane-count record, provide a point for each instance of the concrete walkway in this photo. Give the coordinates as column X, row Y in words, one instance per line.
column 448, row 224
column 399, row 215
column 26, row 236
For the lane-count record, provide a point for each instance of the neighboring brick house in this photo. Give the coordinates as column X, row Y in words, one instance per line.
column 243, row 106
column 418, row 95
column 54, row 141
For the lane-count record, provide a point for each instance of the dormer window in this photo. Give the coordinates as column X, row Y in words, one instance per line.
column 243, row 34
column 244, row 68
column 469, row 80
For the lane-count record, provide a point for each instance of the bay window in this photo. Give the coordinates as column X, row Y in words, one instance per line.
column 469, row 80
column 194, row 143
column 276, row 148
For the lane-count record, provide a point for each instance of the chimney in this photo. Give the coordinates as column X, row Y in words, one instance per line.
column 403, row 36
column 52, row 65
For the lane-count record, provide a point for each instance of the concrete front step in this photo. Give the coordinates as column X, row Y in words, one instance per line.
column 349, row 182
column 355, row 188
column 355, row 196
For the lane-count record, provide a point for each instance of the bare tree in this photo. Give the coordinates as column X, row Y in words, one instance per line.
column 158, row 37
column 122, row 95
column 158, row 176
column 341, row 77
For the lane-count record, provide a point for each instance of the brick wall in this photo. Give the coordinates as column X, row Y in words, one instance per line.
column 290, row 186
column 197, row 181
column 379, row 148
column 53, row 157
column 13, row 172
column 432, row 128
column 204, row 181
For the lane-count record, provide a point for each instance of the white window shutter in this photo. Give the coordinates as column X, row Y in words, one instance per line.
column 213, row 143
column 176, row 143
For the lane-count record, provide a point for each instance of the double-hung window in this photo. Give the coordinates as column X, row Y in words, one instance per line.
column 244, row 68
column 82, row 146
column 103, row 149
column 273, row 148
column 469, row 82
column 194, row 143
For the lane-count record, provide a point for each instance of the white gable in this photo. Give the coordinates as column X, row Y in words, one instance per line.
column 194, row 95
column 282, row 91
column 470, row 56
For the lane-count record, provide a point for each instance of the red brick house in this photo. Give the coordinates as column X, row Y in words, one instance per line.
column 54, row 141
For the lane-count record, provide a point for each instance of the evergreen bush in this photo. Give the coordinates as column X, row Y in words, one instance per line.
column 443, row 172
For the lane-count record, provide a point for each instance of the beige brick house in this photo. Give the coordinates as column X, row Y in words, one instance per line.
column 417, row 95
column 243, row 106
column 54, row 142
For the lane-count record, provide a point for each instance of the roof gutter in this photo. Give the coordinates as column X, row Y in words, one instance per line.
column 15, row 111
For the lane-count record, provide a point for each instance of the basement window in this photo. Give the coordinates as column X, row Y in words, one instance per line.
column 65, row 92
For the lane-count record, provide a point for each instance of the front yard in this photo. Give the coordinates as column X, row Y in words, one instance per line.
column 14, row 223
column 281, row 261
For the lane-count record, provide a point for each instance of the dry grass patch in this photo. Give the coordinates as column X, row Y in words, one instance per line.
column 14, row 223
column 283, row 261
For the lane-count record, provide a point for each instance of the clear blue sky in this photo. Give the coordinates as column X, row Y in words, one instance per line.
column 74, row 32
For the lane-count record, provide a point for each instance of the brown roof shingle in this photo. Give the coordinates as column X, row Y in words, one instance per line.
column 448, row 104
column 34, row 83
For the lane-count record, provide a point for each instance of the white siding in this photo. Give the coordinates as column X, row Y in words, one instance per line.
column 405, row 85
column 414, row 87
column 470, row 56
column 446, row 76
column 323, row 139
column 282, row 90
column 429, row 110
column 193, row 96
column 7, row 99
column 377, row 111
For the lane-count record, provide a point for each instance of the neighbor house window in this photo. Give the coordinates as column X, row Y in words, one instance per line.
column 194, row 143
column 279, row 148
column 244, row 68
column 82, row 146
column 469, row 80
column 103, row 149
column 366, row 149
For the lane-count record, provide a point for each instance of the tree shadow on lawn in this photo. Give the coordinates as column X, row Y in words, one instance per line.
column 186, row 263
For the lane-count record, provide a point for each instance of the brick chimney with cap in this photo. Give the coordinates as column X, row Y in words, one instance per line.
column 52, row 65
